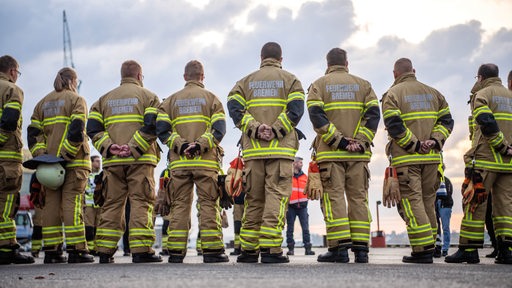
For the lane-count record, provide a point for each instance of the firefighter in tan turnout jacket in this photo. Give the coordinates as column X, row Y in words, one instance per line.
column 418, row 122
column 58, row 128
column 488, row 163
column 11, row 99
column 345, row 113
column 191, row 122
column 266, row 105
column 122, row 126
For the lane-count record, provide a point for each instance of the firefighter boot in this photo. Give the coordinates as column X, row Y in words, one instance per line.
column 504, row 253
column 236, row 252
column 267, row 257
column 463, row 255
column 214, row 256
column 334, row 255
column 425, row 257
column 54, row 257
column 248, row 257
column 14, row 256
column 145, row 257
column 105, row 258
column 176, row 256
column 307, row 247
column 291, row 248
column 79, row 257
column 360, row 254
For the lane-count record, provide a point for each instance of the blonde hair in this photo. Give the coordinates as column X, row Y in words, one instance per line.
column 64, row 79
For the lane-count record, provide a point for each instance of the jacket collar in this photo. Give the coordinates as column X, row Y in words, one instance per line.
column 270, row 62
column 194, row 82
column 131, row 80
column 335, row 68
column 298, row 174
column 491, row 82
column 408, row 76
column 5, row 77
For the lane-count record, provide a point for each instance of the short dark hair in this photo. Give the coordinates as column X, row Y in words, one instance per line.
column 403, row 65
column 336, row 56
column 94, row 157
column 488, row 70
column 7, row 62
column 271, row 50
column 510, row 75
column 130, row 68
column 194, row 70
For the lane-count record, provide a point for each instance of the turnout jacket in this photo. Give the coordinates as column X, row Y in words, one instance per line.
column 415, row 112
column 341, row 106
column 491, row 108
column 57, row 128
column 269, row 96
column 125, row 115
column 192, row 114
column 11, row 99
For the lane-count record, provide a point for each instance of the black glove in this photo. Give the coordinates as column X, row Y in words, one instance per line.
column 99, row 199
column 196, row 150
column 226, row 201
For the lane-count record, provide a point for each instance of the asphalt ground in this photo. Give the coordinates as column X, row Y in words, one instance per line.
column 384, row 270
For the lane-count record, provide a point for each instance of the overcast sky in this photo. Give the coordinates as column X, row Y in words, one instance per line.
column 446, row 40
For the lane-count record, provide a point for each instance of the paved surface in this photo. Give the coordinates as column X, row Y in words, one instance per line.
column 384, row 270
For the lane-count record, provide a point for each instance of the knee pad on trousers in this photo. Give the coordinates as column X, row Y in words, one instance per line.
column 238, row 227
column 89, row 233
column 37, row 233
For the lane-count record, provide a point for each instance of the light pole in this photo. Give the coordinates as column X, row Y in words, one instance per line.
column 378, row 220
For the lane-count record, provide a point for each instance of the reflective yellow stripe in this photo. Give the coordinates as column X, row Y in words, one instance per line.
column 330, row 133
column 190, row 119
column 96, row 116
column 11, row 155
column 56, row 120
column 391, row 113
column 266, row 102
column 86, row 163
column 406, row 205
column 140, row 141
column 184, row 163
column 344, row 106
column 238, row 98
column 295, row 96
column 150, row 110
column 71, row 149
column 13, row 105
column 318, row 103
column 366, row 132
column 128, row 118
column 248, row 153
column 431, row 157
column 164, row 117
column 328, row 210
column 482, row 164
column 503, row 116
column 341, row 154
column 100, row 141
column 480, row 110
column 285, row 121
column 406, row 139
column 78, row 116
column 441, row 129
column 217, row 117
column 419, row 115
column 130, row 160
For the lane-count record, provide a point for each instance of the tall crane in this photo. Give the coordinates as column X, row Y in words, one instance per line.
column 68, row 52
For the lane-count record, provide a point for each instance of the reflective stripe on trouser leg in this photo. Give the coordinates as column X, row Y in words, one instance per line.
column 334, row 205
column 141, row 192
column 10, row 185
column 112, row 223
column 277, row 190
column 238, row 211
column 72, row 192
column 499, row 184
column 418, row 184
column 209, row 210
column 181, row 190
column 472, row 227
column 357, row 175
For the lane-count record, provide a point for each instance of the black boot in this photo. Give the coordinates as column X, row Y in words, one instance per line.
column 469, row 256
column 54, row 257
column 15, row 257
column 248, row 257
column 273, row 258
column 361, row 256
column 425, row 257
column 164, row 252
column 437, row 252
column 334, row 255
column 80, row 257
column 105, row 258
column 493, row 254
column 504, row 253
column 307, row 247
column 291, row 250
column 236, row 252
column 176, row 256
column 145, row 257
column 215, row 257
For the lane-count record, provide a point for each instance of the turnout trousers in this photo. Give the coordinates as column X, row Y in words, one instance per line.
column 268, row 186
column 65, row 205
column 181, row 191
column 418, row 186
column 10, row 185
column 238, row 213
column 344, row 204
column 136, row 183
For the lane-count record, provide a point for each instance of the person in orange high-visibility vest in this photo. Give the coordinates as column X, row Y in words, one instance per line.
column 298, row 206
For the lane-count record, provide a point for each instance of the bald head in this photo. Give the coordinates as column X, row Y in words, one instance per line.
column 194, row 71
column 131, row 69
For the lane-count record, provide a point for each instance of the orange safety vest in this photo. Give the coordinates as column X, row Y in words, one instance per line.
column 299, row 183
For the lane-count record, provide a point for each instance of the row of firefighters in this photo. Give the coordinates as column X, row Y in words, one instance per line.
column 266, row 107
